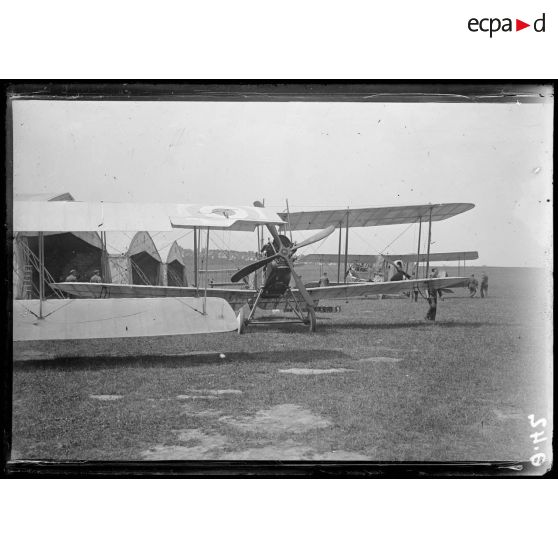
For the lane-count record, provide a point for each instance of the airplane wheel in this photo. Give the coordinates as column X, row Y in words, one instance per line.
column 311, row 319
column 242, row 320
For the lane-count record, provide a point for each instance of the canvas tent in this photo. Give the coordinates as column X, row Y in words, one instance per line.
column 64, row 251
column 132, row 259
column 173, row 268
column 121, row 257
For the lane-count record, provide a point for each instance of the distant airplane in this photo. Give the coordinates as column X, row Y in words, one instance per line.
column 407, row 261
column 459, row 257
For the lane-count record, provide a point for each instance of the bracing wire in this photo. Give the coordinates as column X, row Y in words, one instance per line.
column 397, row 237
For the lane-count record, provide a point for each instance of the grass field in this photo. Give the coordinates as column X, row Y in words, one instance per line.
column 376, row 382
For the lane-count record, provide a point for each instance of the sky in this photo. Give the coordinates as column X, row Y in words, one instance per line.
column 315, row 155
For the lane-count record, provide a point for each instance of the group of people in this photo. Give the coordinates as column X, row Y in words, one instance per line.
column 72, row 277
column 473, row 286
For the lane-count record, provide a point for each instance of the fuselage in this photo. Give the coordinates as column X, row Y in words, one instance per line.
column 277, row 278
column 277, row 272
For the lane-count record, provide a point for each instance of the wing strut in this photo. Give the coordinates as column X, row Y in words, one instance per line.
column 206, row 274
column 428, row 248
column 196, row 257
column 339, row 255
column 260, row 235
column 346, row 245
column 418, row 250
column 41, row 273
column 432, row 293
column 289, row 219
column 104, row 273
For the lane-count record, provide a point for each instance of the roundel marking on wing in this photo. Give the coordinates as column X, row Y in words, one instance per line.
column 226, row 212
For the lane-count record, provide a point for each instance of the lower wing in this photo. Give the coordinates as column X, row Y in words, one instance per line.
column 235, row 297
column 352, row 290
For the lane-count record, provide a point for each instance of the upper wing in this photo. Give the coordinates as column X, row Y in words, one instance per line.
column 436, row 256
column 412, row 258
column 373, row 216
column 351, row 290
column 334, row 258
column 108, row 216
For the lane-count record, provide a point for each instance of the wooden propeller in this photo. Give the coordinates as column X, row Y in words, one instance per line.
column 251, row 268
column 285, row 252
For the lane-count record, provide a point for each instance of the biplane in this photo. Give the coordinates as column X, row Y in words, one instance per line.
column 415, row 260
column 345, row 219
column 415, row 263
column 105, row 316
column 278, row 262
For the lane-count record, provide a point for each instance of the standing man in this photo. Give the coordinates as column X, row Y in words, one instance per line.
column 415, row 292
column 72, row 277
column 484, row 285
column 434, row 275
column 95, row 278
column 351, row 277
column 433, row 295
column 473, row 285
column 399, row 274
column 324, row 280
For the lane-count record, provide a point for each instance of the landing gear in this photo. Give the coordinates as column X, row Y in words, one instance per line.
column 242, row 319
column 303, row 315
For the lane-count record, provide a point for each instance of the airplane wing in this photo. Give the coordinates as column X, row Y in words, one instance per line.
column 371, row 258
column 239, row 297
column 119, row 318
column 373, row 216
column 111, row 216
column 235, row 297
column 352, row 290
column 436, row 257
column 334, row 258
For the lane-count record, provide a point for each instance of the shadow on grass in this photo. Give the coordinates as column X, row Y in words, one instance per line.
column 407, row 325
column 179, row 361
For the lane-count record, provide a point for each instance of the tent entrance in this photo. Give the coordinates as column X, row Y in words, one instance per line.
column 176, row 276
column 64, row 252
column 145, row 269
